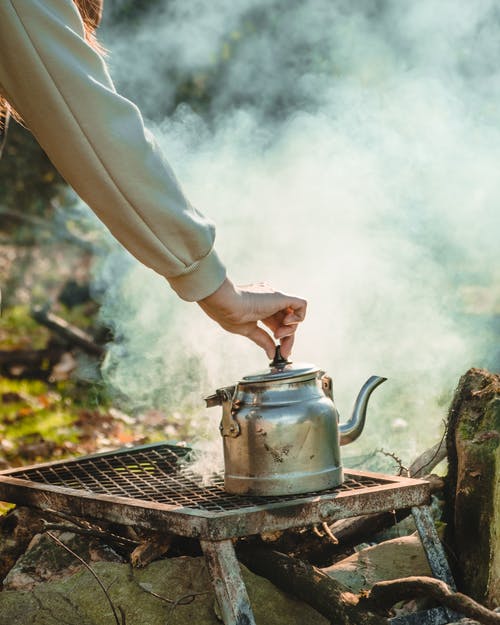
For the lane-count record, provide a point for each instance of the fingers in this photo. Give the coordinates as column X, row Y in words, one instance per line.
column 261, row 301
column 292, row 309
column 297, row 309
column 284, row 331
column 281, row 325
column 240, row 309
column 295, row 315
column 262, row 339
column 287, row 344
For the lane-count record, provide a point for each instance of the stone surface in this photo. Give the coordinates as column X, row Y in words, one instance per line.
column 399, row 557
column 78, row 599
column 45, row 560
column 16, row 531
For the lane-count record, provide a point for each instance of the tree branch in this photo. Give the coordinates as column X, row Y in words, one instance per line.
column 384, row 595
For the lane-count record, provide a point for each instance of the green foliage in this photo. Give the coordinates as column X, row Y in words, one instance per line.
column 129, row 10
column 18, row 330
column 35, row 419
column 28, row 180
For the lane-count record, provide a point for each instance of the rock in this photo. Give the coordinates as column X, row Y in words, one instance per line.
column 473, row 485
column 17, row 528
column 79, row 598
column 392, row 559
column 45, row 560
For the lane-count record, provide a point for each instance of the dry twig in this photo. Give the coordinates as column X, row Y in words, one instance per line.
column 95, row 532
column 430, row 458
column 402, row 470
column 118, row 621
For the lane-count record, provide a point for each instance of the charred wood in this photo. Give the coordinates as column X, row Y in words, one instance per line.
column 350, row 532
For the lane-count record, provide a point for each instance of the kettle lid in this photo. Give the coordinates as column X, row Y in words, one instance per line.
column 281, row 369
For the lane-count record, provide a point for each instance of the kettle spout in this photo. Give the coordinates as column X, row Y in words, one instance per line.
column 350, row 431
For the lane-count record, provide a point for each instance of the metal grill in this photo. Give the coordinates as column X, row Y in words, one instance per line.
column 155, row 474
column 154, row 483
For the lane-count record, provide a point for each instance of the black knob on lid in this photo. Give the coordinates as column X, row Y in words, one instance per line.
column 279, row 362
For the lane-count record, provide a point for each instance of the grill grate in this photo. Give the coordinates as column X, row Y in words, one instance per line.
column 153, row 486
column 158, row 474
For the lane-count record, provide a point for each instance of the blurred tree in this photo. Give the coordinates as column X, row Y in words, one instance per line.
column 28, row 180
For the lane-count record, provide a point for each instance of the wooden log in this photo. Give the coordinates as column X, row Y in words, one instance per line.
column 73, row 335
column 385, row 594
column 309, row 584
column 31, row 363
column 150, row 550
column 391, row 559
column 473, row 485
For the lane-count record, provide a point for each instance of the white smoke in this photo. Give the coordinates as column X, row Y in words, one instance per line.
column 350, row 155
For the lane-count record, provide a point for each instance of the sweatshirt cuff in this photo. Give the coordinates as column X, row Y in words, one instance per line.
column 203, row 278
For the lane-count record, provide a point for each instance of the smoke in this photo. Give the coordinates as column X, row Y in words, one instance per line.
column 349, row 154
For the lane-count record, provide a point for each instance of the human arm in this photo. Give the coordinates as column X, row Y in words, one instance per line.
column 97, row 140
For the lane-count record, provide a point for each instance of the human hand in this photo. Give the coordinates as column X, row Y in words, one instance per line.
column 238, row 309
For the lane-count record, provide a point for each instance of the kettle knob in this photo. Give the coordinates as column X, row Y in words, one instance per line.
column 279, row 362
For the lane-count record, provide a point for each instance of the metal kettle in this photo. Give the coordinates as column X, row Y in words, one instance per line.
column 281, row 431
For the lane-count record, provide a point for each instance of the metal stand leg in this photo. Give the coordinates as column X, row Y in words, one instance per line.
column 432, row 545
column 437, row 560
column 439, row 567
column 229, row 587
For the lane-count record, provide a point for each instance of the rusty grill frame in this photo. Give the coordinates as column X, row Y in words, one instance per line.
column 219, row 516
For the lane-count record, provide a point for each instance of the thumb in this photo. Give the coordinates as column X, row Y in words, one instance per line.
column 286, row 345
column 262, row 339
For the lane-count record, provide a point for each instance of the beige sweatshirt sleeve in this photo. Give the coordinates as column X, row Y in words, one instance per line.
column 97, row 140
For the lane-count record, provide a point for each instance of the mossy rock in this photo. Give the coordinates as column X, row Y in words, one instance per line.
column 183, row 596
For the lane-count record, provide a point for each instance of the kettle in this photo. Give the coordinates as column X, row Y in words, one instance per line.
column 281, row 431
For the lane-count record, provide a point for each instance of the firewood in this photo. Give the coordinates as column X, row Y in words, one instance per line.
column 358, row 529
column 75, row 336
column 30, row 363
column 428, row 460
column 391, row 559
column 309, row 584
column 384, row 595
column 150, row 550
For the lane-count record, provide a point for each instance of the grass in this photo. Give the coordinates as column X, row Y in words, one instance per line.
column 34, row 411
column 18, row 330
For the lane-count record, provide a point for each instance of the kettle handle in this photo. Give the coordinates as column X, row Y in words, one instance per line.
column 229, row 426
column 326, row 385
column 217, row 399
